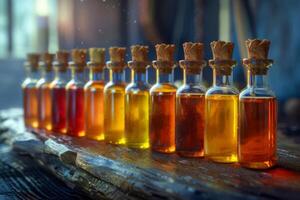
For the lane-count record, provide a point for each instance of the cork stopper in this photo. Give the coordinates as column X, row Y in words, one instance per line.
column 97, row 55
column 117, row 59
column 117, row 54
column 47, row 61
column 222, row 57
column 257, row 61
column 165, row 58
column 193, row 51
column 79, row 56
column 62, row 58
column 139, row 53
column 193, row 55
column 32, row 61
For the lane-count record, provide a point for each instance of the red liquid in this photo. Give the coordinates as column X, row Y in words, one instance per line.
column 190, row 114
column 59, row 110
column 257, row 132
column 75, row 111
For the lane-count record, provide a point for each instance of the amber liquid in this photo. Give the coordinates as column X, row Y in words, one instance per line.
column 137, row 119
column 30, row 103
column 44, row 107
column 59, row 110
column 162, row 121
column 94, row 110
column 221, row 126
column 114, row 114
column 257, row 132
column 190, row 116
column 75, row 110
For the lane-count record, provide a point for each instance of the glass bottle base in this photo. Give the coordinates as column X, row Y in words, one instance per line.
column 144, row 145
column 190, row 153
column 164, row 149
column 223, row 159
column 118, row 142
column 259, row 165
column 94, row 136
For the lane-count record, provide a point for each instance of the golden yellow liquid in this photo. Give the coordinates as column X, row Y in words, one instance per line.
column 221, row 127
column 94, row 110
column 44, row 107
column 114, row 114
column 30, row 104
column 137, row 119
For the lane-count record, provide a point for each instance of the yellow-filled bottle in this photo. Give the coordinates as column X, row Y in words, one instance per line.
column 94, row 96
column 137, row 100
column 114, row 98
column 221, row 122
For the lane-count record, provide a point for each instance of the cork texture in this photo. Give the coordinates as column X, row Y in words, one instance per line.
column 48, row 58
column 97, row 55
column 79, row 56
column 33, row 58
column 139, row 53
column 62, row 56
column 165, row 52
column 257, row 49
column 193, row 51
column 222, row 50
column 117, row 54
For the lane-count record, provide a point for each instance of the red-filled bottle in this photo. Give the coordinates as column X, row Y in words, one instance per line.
column 75, row 94
column 58, row 93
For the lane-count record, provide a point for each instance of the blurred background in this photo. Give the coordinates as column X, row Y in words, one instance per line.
column 49, row 25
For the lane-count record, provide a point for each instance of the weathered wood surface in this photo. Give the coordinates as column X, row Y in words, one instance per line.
column 115, row 172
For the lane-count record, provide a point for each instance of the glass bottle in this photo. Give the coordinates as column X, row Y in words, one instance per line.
column 114, row 98
column 258, row 111
column 137, row 100
column 44, row 92
column 190, row 103
column 30, row 97
column 221, row 121
column 162, row 101
column 75, row 94
column 93, row 93
column 58, row 93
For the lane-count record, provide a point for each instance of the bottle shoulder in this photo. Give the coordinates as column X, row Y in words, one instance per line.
column 94, row 85
column 256, row 92
column 166, row 87
column 190, row 89
column 29, row 83
column 229, row 90
column 135, row 87
column 57, row 83
column 113, row 87
column 74, row 84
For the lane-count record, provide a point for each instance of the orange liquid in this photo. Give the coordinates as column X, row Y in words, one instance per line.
column 257, row 132
column 190, row 115
column 94, row 110
column 162, row 121
column 44, row 107
column 30, row 99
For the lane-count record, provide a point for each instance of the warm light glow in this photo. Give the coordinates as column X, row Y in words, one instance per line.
column 42, row 8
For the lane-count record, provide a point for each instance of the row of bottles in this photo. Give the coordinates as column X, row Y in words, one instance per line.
column 218, row 122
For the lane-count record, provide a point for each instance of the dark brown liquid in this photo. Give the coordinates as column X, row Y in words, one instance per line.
column 190, row 113
column 257, row 132
column 162, row 121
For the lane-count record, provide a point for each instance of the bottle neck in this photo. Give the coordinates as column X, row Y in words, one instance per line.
column 256, row 81
column 96, row 75
column 61, row 75
column 221, row 80
column 138, row 77
column 77, row 76
column 47, row 75
column 163, row 77
column 191, row 79
column 116, row 77
column 32, row 74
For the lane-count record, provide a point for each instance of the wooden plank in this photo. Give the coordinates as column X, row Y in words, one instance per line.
column 118, row 172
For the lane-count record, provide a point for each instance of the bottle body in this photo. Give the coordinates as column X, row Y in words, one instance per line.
column 257, row 126
column 94, row 109
column 30, row 103
column 137, row 112
column 114, row 109
column 190, row 120
column 44, row 102
column 162, row 117
column 59, row 104
column 75, row 104
column 221, row 120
